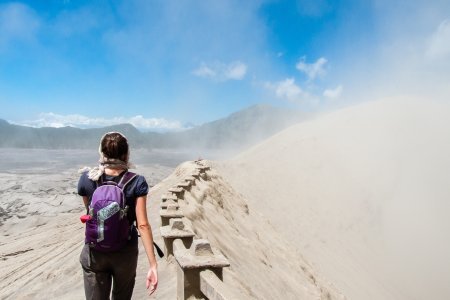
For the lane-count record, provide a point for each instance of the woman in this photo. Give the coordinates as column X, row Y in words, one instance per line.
column 101, row 269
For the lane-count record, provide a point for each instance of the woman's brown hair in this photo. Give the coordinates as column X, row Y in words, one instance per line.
column 114, row 145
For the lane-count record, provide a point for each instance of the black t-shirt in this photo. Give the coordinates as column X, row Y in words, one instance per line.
column 137, row 187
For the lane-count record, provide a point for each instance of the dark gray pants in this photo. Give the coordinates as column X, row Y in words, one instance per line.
column 100, row 270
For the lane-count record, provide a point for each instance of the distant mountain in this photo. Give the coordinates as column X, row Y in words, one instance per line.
column 237, row 131
column 16, row 136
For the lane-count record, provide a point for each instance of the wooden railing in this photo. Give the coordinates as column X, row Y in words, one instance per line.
column 199, row 266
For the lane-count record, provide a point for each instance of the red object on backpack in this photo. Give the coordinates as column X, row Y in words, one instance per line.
column 85, row 218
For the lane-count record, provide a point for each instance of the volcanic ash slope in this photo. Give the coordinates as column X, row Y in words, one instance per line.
column 363, row 193
column 263, row 264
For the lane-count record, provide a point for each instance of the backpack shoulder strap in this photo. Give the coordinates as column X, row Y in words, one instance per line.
column 99, row 182
column 126, row 178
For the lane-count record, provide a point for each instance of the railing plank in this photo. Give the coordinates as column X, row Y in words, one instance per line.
column 214, row 289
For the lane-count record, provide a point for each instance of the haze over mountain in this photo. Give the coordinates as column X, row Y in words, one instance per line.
column 234, row 132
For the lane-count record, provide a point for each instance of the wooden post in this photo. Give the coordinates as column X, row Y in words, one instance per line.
column 200, row 256
column 172, row 211
column 176, row 229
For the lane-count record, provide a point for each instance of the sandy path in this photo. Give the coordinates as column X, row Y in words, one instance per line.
column 42, row 237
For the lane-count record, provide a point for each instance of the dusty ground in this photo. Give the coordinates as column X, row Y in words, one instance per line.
column 41, row 235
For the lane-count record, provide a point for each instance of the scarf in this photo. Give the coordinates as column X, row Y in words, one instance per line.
column 104, row 162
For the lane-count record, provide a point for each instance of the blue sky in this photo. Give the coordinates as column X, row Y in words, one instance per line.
column 164, row 64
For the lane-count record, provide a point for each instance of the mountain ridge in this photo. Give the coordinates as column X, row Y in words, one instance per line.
column 236, row 131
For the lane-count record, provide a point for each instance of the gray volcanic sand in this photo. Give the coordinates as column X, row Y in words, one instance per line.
column 41, row 235
column 363, row 193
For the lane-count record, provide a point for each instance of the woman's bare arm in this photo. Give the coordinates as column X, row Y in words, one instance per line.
column 86, row 202
column 147, row 238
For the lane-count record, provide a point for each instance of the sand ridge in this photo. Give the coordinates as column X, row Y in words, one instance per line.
column 263, row 264
column 362, row 193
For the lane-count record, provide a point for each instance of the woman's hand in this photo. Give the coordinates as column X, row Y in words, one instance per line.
column 147, row 239
column 152, row 279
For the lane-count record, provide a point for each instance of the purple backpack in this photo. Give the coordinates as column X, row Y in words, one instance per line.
column 108, row 228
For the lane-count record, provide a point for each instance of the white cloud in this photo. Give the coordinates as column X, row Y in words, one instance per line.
column 222, row 72
column 333, row 93
column 313, row 70
column 236, row 71
column 204, row 71
column 82, row 20
column 288, row 90
column 17, row 23
column 439, row 45
column 55, row 120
